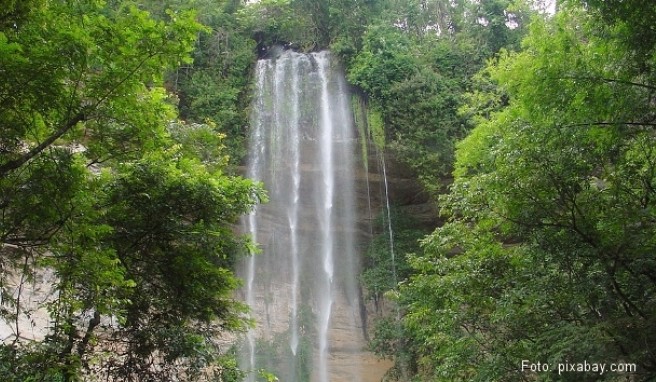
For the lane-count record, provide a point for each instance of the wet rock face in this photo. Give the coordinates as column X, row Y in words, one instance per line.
column 404, row 191
column 348, row 358
column 347, row 355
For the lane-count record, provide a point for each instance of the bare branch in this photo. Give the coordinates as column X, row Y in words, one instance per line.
column 609, row 80
column 79, row 117
column 14, row 164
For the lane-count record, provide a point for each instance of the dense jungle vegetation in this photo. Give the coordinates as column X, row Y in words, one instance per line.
column 122, row 124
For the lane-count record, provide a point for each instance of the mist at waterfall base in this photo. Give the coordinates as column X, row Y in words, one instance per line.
column 303, row 148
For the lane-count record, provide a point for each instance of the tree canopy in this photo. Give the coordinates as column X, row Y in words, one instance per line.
column 548, row 252
column 103, row 189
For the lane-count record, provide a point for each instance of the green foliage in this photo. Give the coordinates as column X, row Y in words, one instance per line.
column 276, row 355
column 548, row 254
column 391, row 340
column 383, row 270
column 416, row 63
column 378, row 264
column 376, row 127
column 635, row 20
column 34, row 363
column 280, row 22
column 14, row 12
column 310, row 25
column 215, row 89
column 385, row 59
column 200, row 141
column 131, row 212
column 350, row 20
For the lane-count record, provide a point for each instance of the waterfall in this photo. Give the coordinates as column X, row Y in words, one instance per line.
column 302, row 288
column 254, row 172
column 325, row 216
column 390, row 231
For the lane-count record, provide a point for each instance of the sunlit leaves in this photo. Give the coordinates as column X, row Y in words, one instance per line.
column 545, row 254
column 128, row 210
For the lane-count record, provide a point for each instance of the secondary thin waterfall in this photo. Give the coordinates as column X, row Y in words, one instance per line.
column 390, row 232
column 303, row 148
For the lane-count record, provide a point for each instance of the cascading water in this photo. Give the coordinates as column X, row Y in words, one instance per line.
column 303, row 148
column 390, row 231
